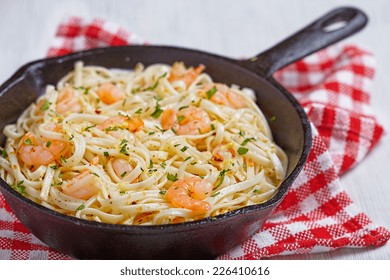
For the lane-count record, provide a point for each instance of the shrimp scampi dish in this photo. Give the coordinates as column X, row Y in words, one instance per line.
column 153, row 145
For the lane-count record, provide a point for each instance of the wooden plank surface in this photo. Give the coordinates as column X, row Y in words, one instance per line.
column 231, row 28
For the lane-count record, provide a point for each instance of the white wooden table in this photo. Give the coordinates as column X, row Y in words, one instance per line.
column 231, row 28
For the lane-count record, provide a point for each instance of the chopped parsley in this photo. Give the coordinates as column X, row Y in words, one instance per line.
column 150, row 164
column 63, row 159
column 95, row 174
column 152, row 132
column 20, row 188
column 210, row 93
column 81, row 207
column 183, row 107
column 187, row 158
column 163, row 164
column 139, row 111
column 89, row 127
column 180, row 118
column 71, row 137
column 214, row 195
column 163, row 192
column 112, row 128
column 28, row 141
column 106, row 154
column 44, row 106
column 247, row 140
column 256, row 191
column 154, row 86
column 172, row 177
column 3, row 153
column 242, row 151
column 123, row 142
column 222, row 176
column 157, row 111
column 134, row 90
column 212, row 126
column 185, row 148
column 123, row 150
column 242, row 134
column 55, row 167
column 48, row 144
column 84, row 89
column 162, row 130
column 123, row 174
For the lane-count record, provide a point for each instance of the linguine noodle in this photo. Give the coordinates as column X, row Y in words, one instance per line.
column 125, row 137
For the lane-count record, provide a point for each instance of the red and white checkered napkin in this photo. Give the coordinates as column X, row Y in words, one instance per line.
column 316, row 215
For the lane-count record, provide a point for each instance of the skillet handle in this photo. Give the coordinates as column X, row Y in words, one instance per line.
column 327, row 30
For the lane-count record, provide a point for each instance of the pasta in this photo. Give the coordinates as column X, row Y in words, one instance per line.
column 156, row 145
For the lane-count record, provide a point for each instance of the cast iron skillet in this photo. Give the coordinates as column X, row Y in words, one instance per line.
column 206, row 238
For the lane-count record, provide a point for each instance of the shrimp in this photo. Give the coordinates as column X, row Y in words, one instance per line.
column 189, row 193
column 121, row 167
column 180, row 73
column 132, row 124
column 168, row 118
column 34, row 152
column 189, row 121
column 224, row 96
column 67, row 102
column 110, row 94
column 193, row 120
column 223, row 152
column 83, row 186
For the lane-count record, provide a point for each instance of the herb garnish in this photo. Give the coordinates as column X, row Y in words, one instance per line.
column 247, row 140
column 154, row 86
column 185, row 148
column 210, row 93
column 222, row 176
column 63, row 159
column 158, row 111
column 172, row 177
column 3, row 153
column 214, row 195
column 81, row 207
column 180, row 118
column 20, row 188
column 89, row 127
column 45, row 106
column 242, row 151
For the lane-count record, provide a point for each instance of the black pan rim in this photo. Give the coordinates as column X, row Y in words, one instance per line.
column 186, row 226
